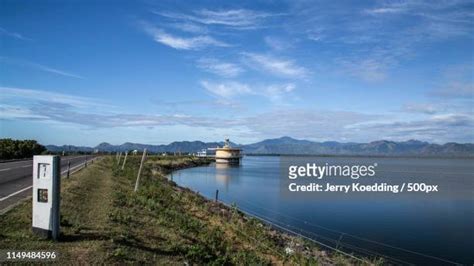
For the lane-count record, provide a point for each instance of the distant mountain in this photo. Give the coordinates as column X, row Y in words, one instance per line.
column 178, row 146
column 68, row 148
column 288, row 145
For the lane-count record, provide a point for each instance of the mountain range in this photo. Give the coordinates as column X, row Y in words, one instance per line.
column 291, row 146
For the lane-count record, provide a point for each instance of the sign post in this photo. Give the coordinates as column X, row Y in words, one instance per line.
column 46, row 195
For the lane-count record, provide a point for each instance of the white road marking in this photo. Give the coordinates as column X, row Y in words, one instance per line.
column 15, row 193
column 6, row 169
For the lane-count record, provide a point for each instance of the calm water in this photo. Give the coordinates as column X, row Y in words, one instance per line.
column 437, row 225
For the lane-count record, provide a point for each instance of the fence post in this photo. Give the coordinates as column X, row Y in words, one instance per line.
column 217, row 195
column 124, row 160
column 140, row 170
column 68, row 168
column 119, row 157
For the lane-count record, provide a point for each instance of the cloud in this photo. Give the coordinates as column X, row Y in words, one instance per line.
column 26, row 104
column 456, row 90
column 227, row 90
column 279, row 93
column 234, row 18
column 99, row 120
column 420, row 108
column 440, row 19
column 455, row 83
column 13, row 35
column 369, row 69
column 276, row 43
column 9, row 94
column 12, row 112
column 375, row 38
column 315, row 124
column 44, row 68
column 276, row 66
column 193, row 104
column 189, row 27
column 384, row 10
column 218, row 67
column 437, row 128
column 183, row 43
column 307, row 123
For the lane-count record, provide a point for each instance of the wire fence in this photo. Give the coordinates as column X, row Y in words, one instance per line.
column 340, row 244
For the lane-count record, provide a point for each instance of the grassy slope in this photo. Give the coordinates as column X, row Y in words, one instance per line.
column 104, row 221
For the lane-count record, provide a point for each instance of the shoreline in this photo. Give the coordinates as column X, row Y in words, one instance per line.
column 308, row 246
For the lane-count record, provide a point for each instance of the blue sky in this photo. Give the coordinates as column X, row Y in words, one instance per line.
column 160, row 71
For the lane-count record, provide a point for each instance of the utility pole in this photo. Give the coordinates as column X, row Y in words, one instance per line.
column 140, row 170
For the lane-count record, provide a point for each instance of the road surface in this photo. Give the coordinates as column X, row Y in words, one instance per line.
column 16, row 178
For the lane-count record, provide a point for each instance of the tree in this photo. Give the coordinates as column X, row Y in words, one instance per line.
column 19, row 149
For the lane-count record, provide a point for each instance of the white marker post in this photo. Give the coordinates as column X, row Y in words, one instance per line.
column 46, row 195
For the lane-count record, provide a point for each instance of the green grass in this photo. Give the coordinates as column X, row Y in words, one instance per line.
column 104, row 221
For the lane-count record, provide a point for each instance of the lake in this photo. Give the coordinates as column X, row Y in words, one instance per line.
column 420, row 228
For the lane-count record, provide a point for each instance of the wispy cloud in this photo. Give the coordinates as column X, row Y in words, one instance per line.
column 98, row 120
column 193, row 104
column 26, row 104
column 368, row 69
column 234, row 18
column 276, row 66
column 460, row 90
column 276, row 93
column 386, row 34
column 13, row 35
column 436, row 128
column 228, row 89
column 9, row 94
column 307, row 123
column 456, row 82
column 277, row 43
column 423, row 108
column 182, row 43
column 37, row 66
column 279, row 93
column 439, row 19
column 220, row 68
column 189, row 27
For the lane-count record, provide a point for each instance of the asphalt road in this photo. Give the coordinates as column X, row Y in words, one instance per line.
column 16, row 178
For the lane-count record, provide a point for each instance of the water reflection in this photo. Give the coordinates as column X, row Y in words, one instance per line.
column 226, row 173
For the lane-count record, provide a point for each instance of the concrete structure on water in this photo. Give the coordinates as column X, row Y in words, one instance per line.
column 228, row 155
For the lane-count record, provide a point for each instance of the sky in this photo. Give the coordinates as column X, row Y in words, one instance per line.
column 85, row 72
